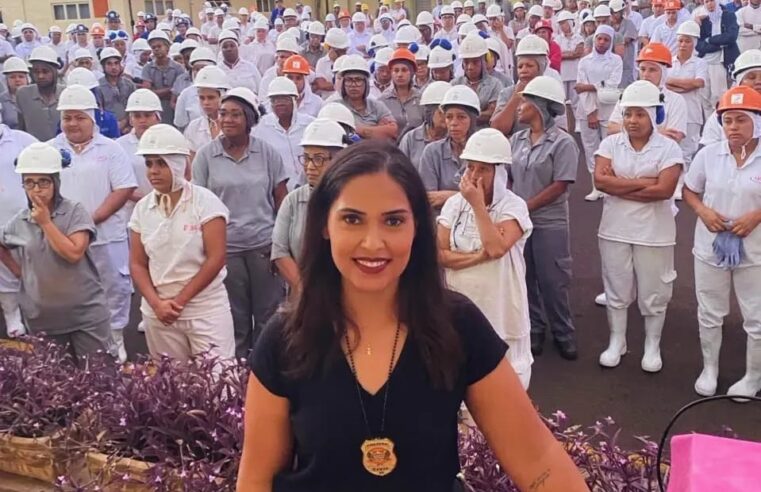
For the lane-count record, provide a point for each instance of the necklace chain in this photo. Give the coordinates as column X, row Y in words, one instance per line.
column 385, row 390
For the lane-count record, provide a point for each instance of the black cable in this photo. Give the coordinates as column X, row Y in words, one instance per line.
column 678, row 414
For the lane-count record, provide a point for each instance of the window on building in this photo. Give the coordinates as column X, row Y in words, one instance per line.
column 158, row 7
column 71, row 11
column 264, row 5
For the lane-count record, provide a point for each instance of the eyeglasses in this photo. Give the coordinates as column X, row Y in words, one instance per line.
column 354, row 81
column 317, row 160
column 43, row 183
column 231, row 114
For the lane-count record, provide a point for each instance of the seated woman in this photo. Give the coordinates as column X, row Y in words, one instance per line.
column 481, row 233
column 46, row 247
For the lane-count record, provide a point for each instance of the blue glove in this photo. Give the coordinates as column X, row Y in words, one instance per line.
column 728, row 248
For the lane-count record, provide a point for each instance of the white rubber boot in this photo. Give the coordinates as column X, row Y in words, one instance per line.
column 595, row 194
column 617, row 346
column 651, row 361
column 14, row 325
column 710, row 345
column 601, row 300
column 750, row 384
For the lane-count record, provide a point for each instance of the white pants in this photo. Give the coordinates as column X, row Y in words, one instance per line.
column 112, row 262
column 716, row 85
column 14, row 325
column 185, row 338
column 570, row 94
column 520, row 358
column 712, row 286
column 591, row 139
column 689, row 144
column 643, row 273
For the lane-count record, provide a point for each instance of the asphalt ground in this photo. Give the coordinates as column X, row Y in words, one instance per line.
column 641, row 403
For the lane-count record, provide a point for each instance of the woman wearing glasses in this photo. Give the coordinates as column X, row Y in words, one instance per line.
column 322, row 139
column 374, row 119
column 47, row 242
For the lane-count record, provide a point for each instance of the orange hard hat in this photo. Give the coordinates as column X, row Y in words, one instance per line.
column 344, row 13
column 97, row 31
column 296, row 64
column 402, row 55
column 673, row 5
column 740, row 97
column 659, row 3
column 655, row 52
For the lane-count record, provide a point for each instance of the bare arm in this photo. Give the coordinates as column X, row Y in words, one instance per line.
column 585, row 87
column 71, row 248
column 547, row 195
column 289, row 270
column 456, row 260
column 663, row 189
column 508, row 420
column 279, row 193
column 138, row 269
column 113, row 202
column 504, row 120
column 267, row 443
column 684, row 85
column 215, row 247
column 320, row 84
column 386, row 128
column 7, row 260
column 438, row 198
column 487, row 113
column 497, row 239
column 607, row 181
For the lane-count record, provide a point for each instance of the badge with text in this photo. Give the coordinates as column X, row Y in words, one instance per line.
column 378, row 456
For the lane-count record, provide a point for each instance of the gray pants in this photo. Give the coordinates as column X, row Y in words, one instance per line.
column 548, row 275
column 255, row 292
column 86, row 341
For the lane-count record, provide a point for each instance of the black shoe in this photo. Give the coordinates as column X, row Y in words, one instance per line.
column 567, row 349
column 537, row 344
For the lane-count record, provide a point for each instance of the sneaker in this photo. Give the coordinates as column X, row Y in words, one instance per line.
column 141, row 327
column 594, row 195
column 601, row 300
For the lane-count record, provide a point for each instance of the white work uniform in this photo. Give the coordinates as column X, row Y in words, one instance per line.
column 198, row 133
column 286, row 142
column 666, row 35
column 637, row 238
column 731, row 191
column 188, row 107
column 497, row 287
column 100, row 169
column 264, row 54
column 712, row 132
column 129, row 144
column 12, row 200
column 648, row 26
column 175, row 250
column 569, row 69
column 694, row 68
column 242, row 74
column 748, row 39
column 357, row 40
column 310, row 103
column 600, row 71
column 324, row 70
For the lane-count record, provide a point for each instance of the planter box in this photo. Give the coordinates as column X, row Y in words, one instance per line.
column 32, row 457
column 110, row 472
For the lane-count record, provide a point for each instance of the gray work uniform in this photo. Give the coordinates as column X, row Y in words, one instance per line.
column 162, row 78
column 628, row 31
column 375, row 111
column 48, row 298
column 439, row 168
column 408, row 114
column 313, row 56
column 37, row 117
column 288, row 234
column 555, row 157
column 183, row 82
column 503, row 79
column 504, row 96
column 488, row 89
column 9, row 110
column 246, row 187
column 115, row 96
column 413, row 143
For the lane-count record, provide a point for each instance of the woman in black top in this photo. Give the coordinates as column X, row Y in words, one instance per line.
column 358, row 388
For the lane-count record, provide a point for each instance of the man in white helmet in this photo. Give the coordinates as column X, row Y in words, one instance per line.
column 161, row 72
column 37, row 102
column 448, row 29
column 360, row 35
column 313, row 49
column 114, row 86
column 749, row 20
column 240, row 72
column 30, row 39
column 262, row 48
column 338, row 45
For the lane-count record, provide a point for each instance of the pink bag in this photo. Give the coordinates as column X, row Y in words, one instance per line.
column 701, row 463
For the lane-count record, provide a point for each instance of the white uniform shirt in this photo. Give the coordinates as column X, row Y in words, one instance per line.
column 129, row 144
column 188, row 107
column 676, row 112
column 648, row 26
column 264, row 54
column 749, row 38
column 569, row 69
column 175, row 250
column 712, row 131
column 286, row 143
column 324, row 70
column 629, row 221
column 243, row 74
column 731, row 191
column 694, row 68
column 666, row 35
column 103, row 167
column 356, row 39
column 72, row 50
column 198, row 133
column 600, row 72
column 636, row 19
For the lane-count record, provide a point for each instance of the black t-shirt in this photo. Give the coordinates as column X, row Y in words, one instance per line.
column 329, row 429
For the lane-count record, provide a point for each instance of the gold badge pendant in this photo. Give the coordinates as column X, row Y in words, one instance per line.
column 378, row 456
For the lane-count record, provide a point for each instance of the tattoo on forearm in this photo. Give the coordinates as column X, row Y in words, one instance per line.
column 539, row 482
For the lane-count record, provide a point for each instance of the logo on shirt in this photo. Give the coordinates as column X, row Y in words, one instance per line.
column 192, row 228
column 756, row 179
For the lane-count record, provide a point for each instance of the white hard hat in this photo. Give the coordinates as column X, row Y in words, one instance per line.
column 354, row 63
column 494, row 44
column 473, row 46
column 174, row 50
column 641, row 94
column 158, row 34
column 81, row 53
column 109, row 52
column 282, row 86
column 243, row 11
column 468, row 3
column 601, row 11
column 494, row 10
column 690, row 28
column 293, row 32
column 519, row 5
column 162, row 139
column 330, row 18
column 488, row 145
column 463, row 18
column 143, row 100
column 15, row 64
column 546, row 88
column 54, row 29
column 39, row 158
column 70, row 28
column 406, row 35
column 76, row 97
column 359, row 17
column 378, row 41
column 440, row 58
column 336, row 38
column 323, row 132
column 278, row 22
column 164, row 26
column 212, row 77
column 383, row 56
column 244, row 94
column 227, row 35
column 446, row 10
column 748, row 60
column 140, row 44
column 422, row 53
column 403, row 22
column 315, row 27
column 565, row 16
column 466, row 29
column 82, row 76
column 287, row 43
column 337, row 64
column 28, row 25
column 457, row 4
column 289, row 12
column 262, row 24
column 536, row 11
column 434, row 93
column 532, row 45
column 461, row 95
column 424, row 18
column 479, row 18
column 44, row 54
column 219, row 12
column 202, row 54
column 231, row 24
column 617, row 5
column 338, row 112
column 548, row 3
column 189, row 44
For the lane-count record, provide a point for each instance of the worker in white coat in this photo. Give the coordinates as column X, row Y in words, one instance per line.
column 727, row 246
column 638, row 169
column 749, row 20
column 481, row 234
column 210, row 84
column 101, row 178
column 178, row 255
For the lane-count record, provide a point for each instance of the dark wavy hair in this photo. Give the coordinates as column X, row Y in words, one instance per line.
column 314, row 327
